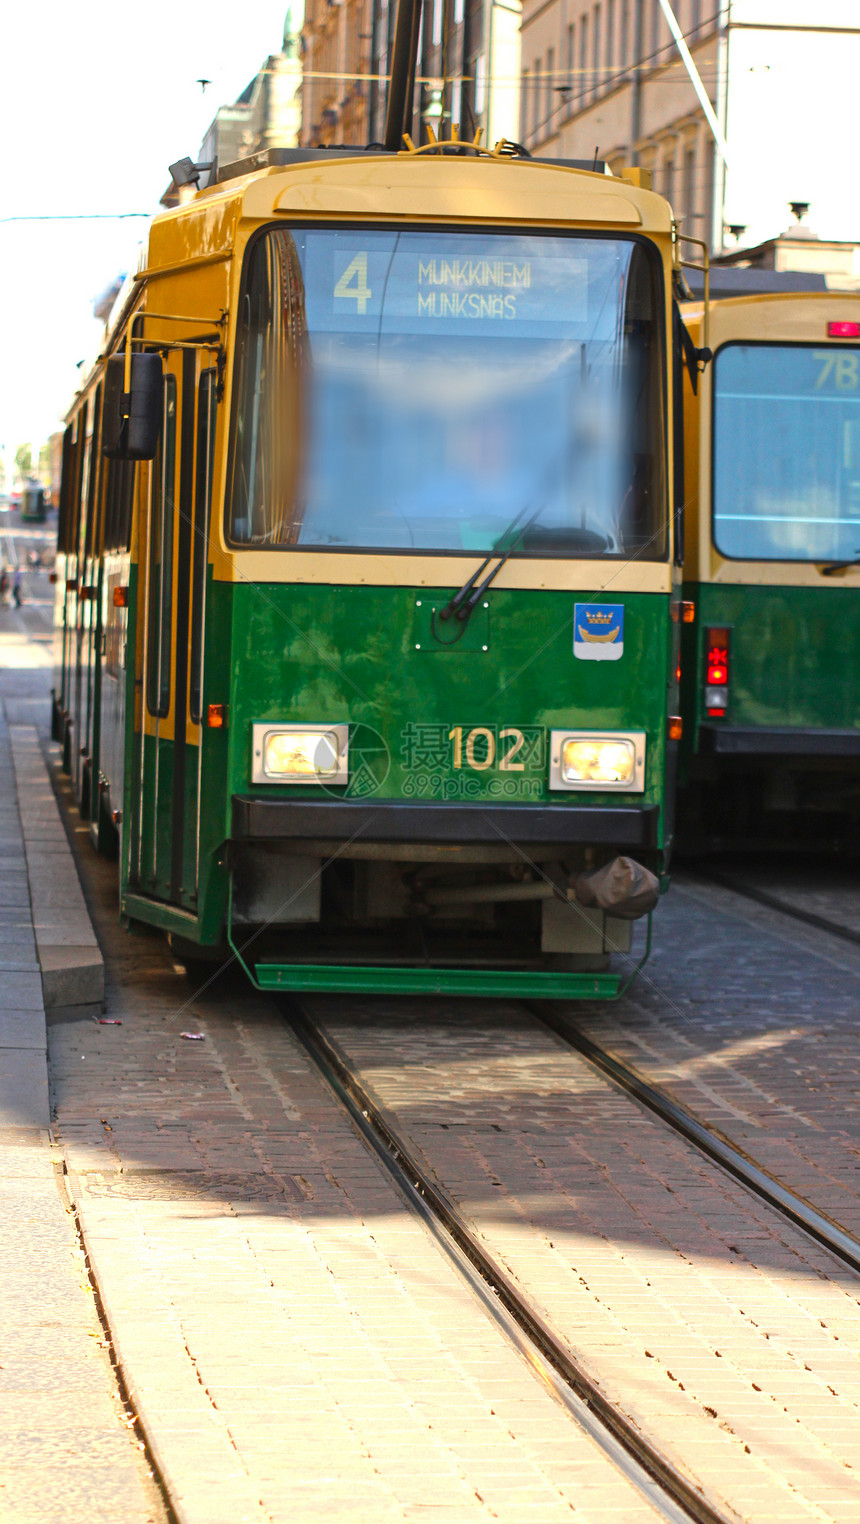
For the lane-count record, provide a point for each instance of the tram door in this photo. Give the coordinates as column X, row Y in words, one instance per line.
column 66, row 608
column 86, row 467
column 89, row 624
column 157, row 572
column 164, row 839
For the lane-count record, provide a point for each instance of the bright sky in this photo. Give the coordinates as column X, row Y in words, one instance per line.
column 97, row 99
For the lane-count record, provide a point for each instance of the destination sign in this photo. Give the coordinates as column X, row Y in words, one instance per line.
column 409, row 289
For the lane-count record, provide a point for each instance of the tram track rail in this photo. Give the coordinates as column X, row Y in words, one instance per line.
column 553, row 1364
column 825, row 1231
column 784, row 907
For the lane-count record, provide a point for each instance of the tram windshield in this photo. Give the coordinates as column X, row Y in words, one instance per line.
column 787, row 452
column 417, row 390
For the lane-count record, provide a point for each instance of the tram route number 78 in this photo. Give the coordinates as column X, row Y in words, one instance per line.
column 841, row 368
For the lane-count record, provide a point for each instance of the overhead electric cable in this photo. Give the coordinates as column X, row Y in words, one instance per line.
column 78, row 217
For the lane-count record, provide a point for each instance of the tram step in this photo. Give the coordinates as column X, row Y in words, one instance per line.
column 378, row 980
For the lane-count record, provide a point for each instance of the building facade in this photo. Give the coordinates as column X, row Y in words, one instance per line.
column 267, row 113
column 606, row 79
column 467, row 71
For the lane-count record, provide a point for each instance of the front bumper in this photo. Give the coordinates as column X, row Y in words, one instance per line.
column 777, row 741
column 621, row 826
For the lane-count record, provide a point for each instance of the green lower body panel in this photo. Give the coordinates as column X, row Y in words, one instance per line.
column 139, row 907
column 370, row 980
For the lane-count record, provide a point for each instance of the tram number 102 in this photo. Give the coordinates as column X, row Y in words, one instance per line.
column 479, row 748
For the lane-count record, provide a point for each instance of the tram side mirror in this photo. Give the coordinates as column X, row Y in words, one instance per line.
column 131, row 423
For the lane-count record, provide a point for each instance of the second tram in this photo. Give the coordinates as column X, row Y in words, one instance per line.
column 771, row 685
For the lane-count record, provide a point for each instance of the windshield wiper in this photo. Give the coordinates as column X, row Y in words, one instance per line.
column 460, row 606
column 837, row 566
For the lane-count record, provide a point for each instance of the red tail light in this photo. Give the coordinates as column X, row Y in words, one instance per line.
column 843, row 330
column 717, row 669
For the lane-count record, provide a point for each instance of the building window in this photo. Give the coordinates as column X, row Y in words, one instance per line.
column 571, row 59
column 480, row 84
column 550, row 88
column 524, row 104
column 595, row 48
column 669, row 178
column 609, row 41
column 709, row 152
column 534, row 103
column 583, row 59
column 456, row 88
column 624, row 40
column 688, row 188
column 653, row 40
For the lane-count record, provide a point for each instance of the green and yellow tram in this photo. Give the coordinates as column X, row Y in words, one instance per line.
column 369, row 573
column 771, row 685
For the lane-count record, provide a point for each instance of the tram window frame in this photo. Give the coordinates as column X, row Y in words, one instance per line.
column 110, row 508
column 125, row 504
column 792, row 344
column 207, row 415
column 160, row 572
column 659, row 398
column 88, row 473
column 121, row 480
column 94, row 481
column 678, row 492
column 118, row 511
column 78, row 489
column 65, row 489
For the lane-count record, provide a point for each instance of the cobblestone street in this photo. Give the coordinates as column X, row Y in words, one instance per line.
column 294, row 1342
column 750, row 1020
column 290, row 1340
column 721, row 1330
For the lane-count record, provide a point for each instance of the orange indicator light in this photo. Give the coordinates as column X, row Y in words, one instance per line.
column 684, row 611
column 216, row 716
column 676, row 727
column 120, row 597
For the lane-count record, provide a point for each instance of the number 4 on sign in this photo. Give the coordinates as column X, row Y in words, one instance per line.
column 353, row 284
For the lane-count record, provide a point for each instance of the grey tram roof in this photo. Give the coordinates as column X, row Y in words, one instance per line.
column 734, row 280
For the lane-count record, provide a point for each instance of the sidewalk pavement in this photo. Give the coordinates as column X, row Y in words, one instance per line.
column 67, row 1451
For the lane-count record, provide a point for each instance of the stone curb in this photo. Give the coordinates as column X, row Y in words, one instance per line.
column 71, row 965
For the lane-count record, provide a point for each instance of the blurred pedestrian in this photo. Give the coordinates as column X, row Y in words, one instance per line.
column 16, row 586
column 4, row 586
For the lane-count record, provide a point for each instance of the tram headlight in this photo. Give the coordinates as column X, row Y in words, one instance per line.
column 300, row 754
column 590, row 759
column 306, row 756
column 597, row 761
